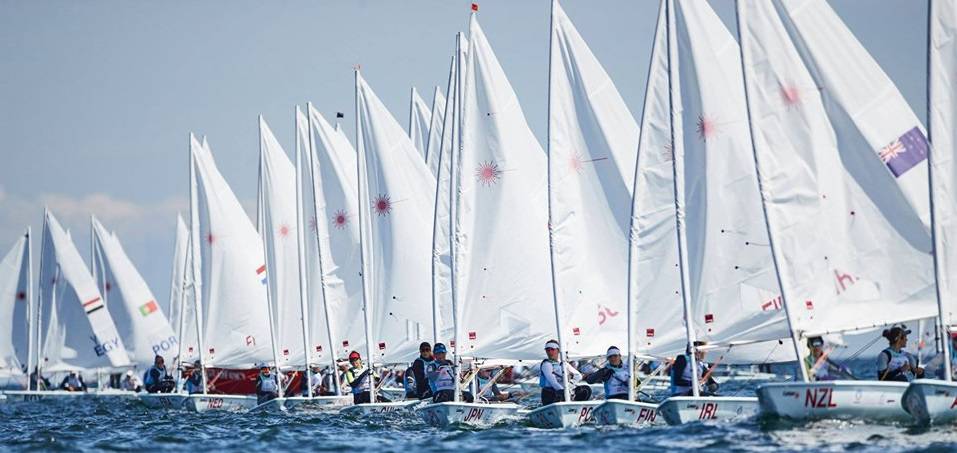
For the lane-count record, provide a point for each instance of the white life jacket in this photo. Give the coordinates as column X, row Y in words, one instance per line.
column 617, row 384
column 268, row 384
column 445, row 380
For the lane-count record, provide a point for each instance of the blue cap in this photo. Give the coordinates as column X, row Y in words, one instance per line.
column 439, row 348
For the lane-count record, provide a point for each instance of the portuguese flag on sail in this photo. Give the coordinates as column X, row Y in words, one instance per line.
column 148, row 308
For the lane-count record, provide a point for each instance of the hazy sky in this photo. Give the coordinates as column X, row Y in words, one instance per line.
column 97, row 97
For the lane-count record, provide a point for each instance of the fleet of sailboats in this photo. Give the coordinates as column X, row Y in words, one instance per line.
column 776, row 188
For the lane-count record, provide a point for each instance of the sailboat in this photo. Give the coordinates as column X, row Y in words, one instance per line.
column 181, row 313
column 75, row 315
column 229, row 285
column 932, row 400
column 16, row 309
column 843, row 227
column 395, row 193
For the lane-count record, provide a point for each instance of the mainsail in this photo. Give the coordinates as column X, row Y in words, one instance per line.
column 436, row 126
column 234, row 312
column 396, row 198
column 420, row 117
column 139, row 319
column 80, row 334
column 15, row 308
column 592, row 146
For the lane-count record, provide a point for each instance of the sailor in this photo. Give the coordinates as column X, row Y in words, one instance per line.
column 156, row 379
column 938, row 360
column 73, row 382
column 819, row 366
column 682, row 376
column 894, row 363
column 416, row 382
column 130, row 382
column 492, row 392
column 441, row 374
column 44, row 382
column 327, row 382
column 360, row 379
column 267, row 385
column 550, row 376
column 194, row 378
column 615, row 375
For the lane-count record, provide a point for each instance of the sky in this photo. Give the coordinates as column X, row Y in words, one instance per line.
column 97, row 98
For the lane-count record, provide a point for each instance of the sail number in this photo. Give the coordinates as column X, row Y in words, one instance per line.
column 474, row 414
column 709, row 411
column 819, row 398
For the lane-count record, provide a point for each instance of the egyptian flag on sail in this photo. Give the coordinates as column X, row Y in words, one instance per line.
column 93, row 305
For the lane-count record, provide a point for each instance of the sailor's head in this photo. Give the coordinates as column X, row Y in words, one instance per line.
column 264, row 369
column 74, row 373
column 614, row 356
column 158, row 360
column 897, row 336
column 698, row 352
column 129, row 373
column 439, row 351
column 425, row 350
column 485, row 373
column 354, row 358
column 552, row 349
column 815, row 344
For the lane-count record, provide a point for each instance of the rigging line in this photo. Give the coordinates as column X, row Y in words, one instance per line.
column 766, row 359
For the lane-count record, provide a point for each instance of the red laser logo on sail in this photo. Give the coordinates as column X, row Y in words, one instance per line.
column 707, row 127
column 488, row 173
column 340, row 219
column 382, row 205
column 284, row 230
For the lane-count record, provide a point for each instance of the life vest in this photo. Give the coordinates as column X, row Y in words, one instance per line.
column 268, row 384
column 148, row 377
column 558, row 370
column 361, row 385
column 194, row 384
column 409, row 381
column 896, row 360
column 617, row 384
column 687, row 375
column 445, row 378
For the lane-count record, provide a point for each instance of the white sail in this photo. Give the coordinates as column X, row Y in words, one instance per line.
column 841, row 230
column 420, row 117
column 181, row 307
column 592, row 146
column 15, row 308
column 139, row 319
column 436, row 126
column 730, row 274
column 80, row 334
column 279, row 231
column 501, row 266
column 337, row 225
column 655, row 280
column 942, row 129
column 234, row 311
column 396, row 199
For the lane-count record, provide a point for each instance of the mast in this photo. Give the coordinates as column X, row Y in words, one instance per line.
column 196, row 282
column 551, row 234
column 454, row 176
column 31, row 327
column 270, row 281
column 795, row 336
column 360, row 169
column 411, row 112
column 39, row 305
column 322, row 275
column 679, row 205
column 182, row 317
column 300, row 242
column 435, row 211
column 941, row 322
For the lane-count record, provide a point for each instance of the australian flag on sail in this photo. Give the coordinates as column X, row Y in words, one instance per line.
column 905, row 152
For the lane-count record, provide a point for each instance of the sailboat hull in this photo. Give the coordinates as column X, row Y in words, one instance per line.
column 273, row 406
column 318, row 402
column 621, row 412
column 678, row 410
column 210, row 403
column 565, row 414
column 168, row 401
column 472, row 414
column 362, row 410
column 34, row 395
column 931, row 401
column 860, row 400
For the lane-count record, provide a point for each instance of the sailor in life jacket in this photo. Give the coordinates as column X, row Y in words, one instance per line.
column 551, row 374
column 194, row 378
column 73, row 382
column 361, row 379
column 614, row 375
column 416, row 382
column 819, row 366
column 683, row 377
column 894, row 363
column 267, row 385
column 441, row 374
column 157, row 379
column 489, row 390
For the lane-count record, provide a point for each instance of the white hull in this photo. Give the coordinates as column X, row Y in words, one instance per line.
column 563, row 414
column 361, row 410
column 860, row 400
column 931, row 401
column 678, row 410
column 472, row 414
column 621, row 412
column 208, row 403
column 169, row 401
column 34, row 395
column 318, row 402
column 115, row 393
column 273, row 406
